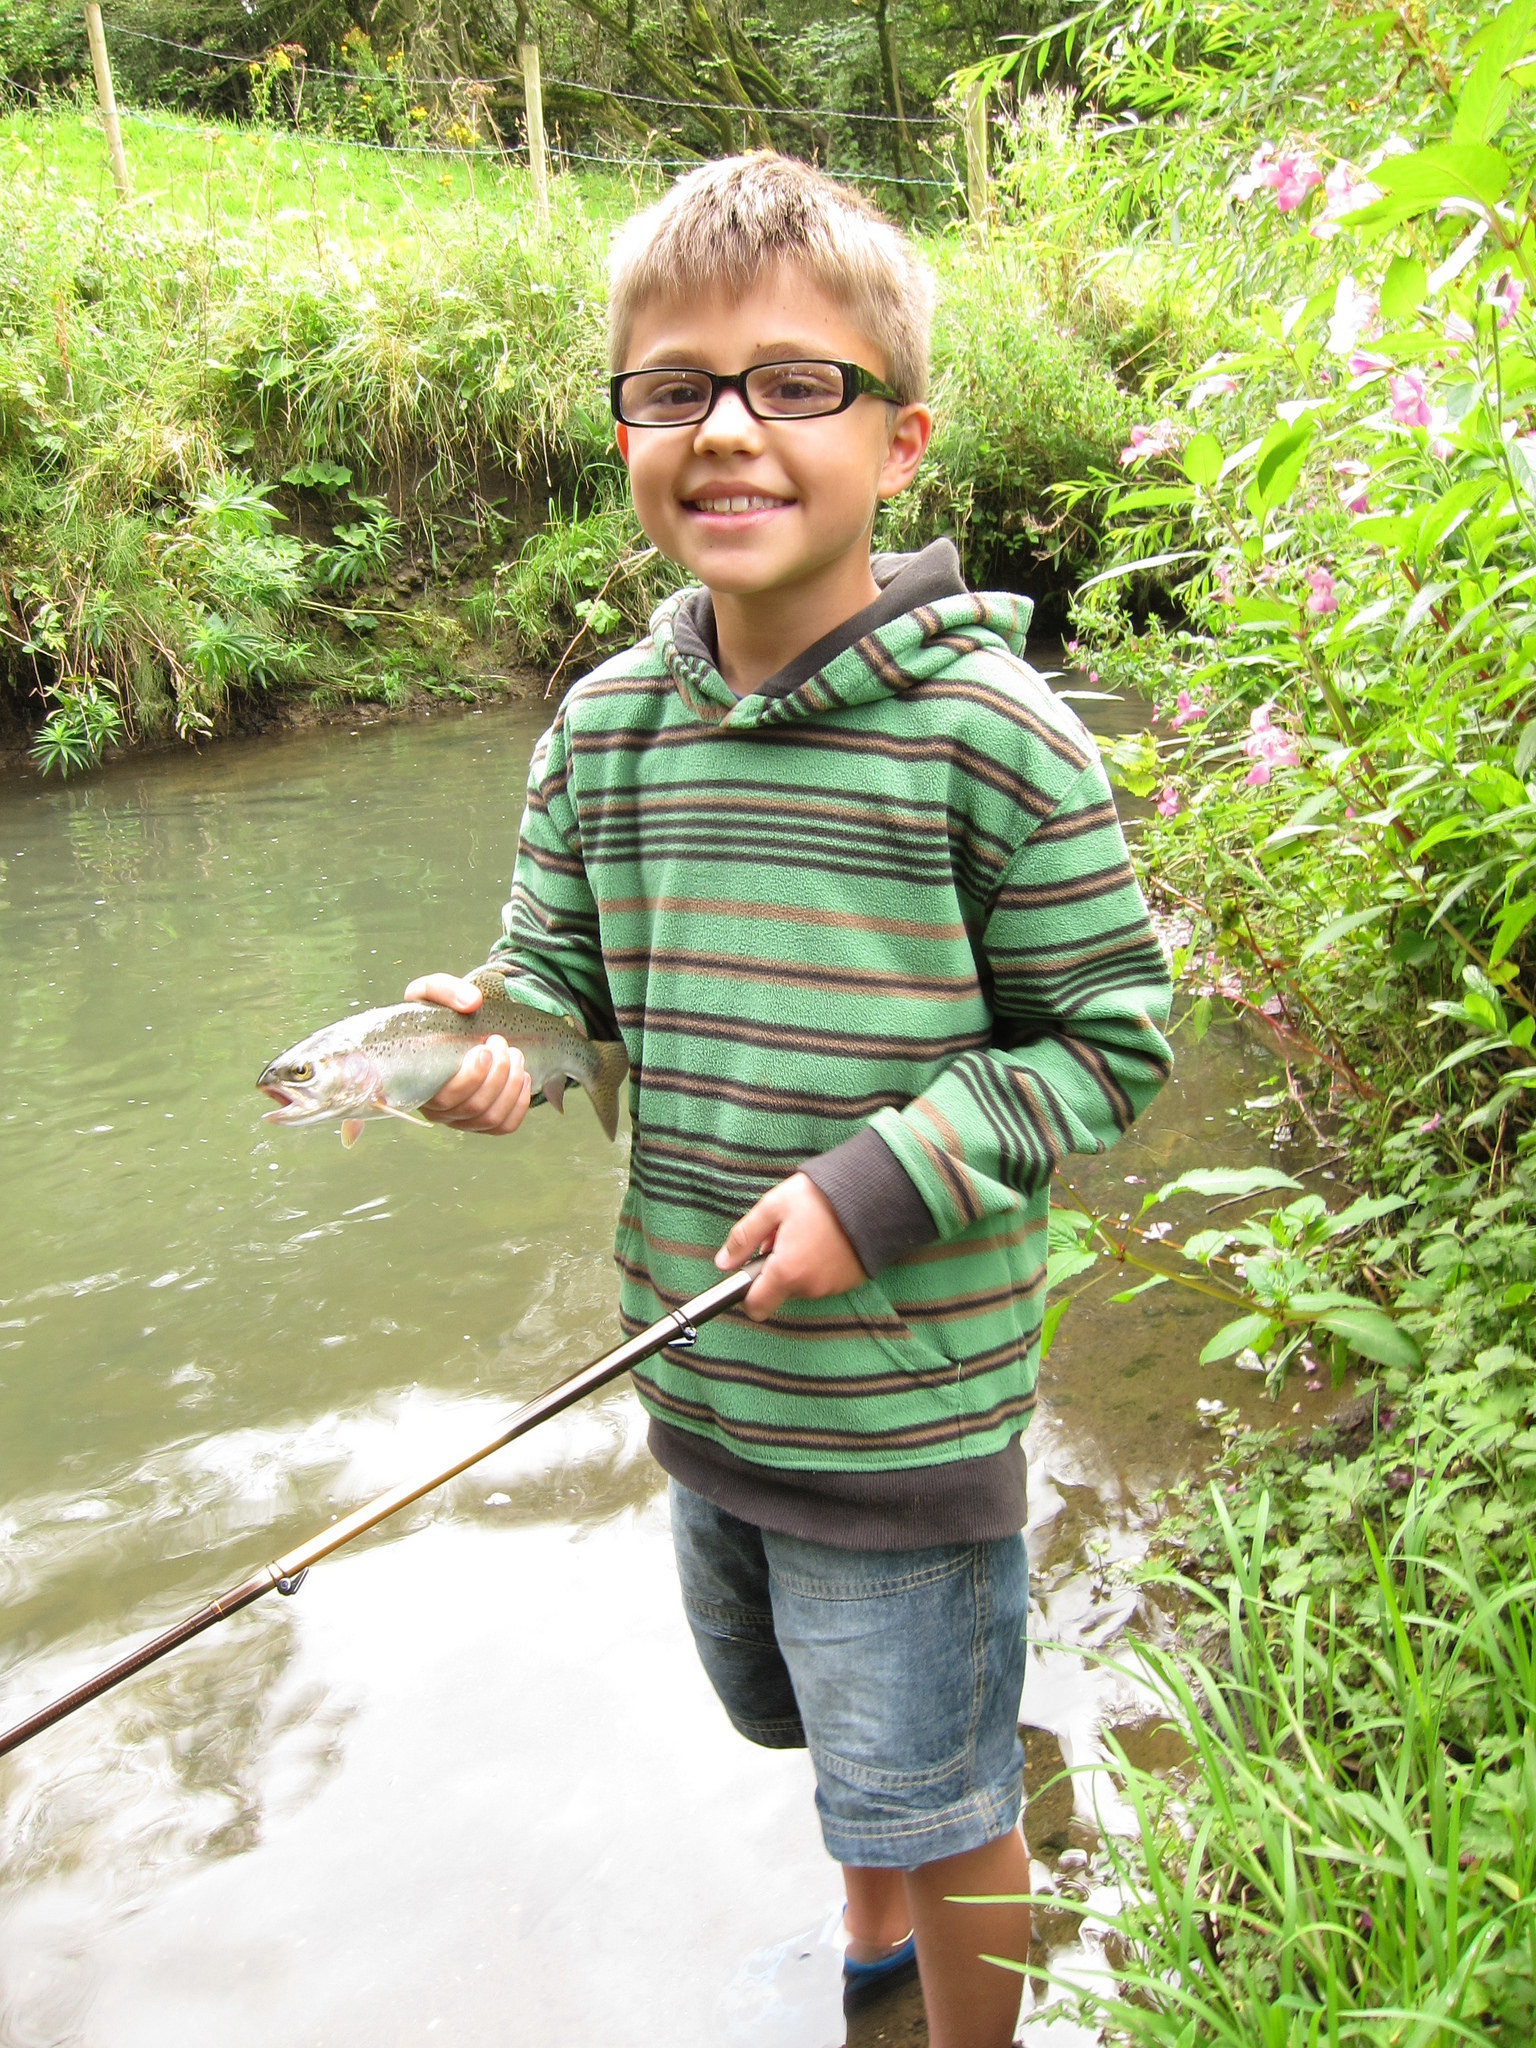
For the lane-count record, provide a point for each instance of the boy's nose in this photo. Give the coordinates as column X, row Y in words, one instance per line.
column 729, row 425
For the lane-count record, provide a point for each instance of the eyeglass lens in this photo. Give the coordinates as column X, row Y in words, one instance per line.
column 782, row 391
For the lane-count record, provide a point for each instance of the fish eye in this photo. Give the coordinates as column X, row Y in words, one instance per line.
column 303, row 1071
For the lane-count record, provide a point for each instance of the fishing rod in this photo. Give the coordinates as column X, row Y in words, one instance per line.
column 678, row 1331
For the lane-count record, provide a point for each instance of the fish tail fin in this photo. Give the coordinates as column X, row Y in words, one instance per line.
column 612, row 1069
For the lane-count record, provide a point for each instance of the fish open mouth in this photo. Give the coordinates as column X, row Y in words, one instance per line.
column 279, row 1095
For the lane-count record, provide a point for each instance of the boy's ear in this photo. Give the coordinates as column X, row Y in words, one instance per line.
column 621, row 435
column 910, row 434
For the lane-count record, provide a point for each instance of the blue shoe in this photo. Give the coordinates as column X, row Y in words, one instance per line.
column 865, row 1983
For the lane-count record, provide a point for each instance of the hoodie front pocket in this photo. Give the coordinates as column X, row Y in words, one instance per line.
column 872, row 1306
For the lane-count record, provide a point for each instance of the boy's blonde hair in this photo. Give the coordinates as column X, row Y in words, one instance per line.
column 726, row 224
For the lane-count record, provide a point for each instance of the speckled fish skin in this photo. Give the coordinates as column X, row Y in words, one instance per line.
column 388, row 1062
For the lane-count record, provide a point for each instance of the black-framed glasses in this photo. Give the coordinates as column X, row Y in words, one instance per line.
column 808, row 390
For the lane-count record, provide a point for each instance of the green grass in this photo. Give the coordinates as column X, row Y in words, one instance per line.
column 1349, row 1856
column 321, row 324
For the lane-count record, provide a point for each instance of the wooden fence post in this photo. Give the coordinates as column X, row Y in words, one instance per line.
column 973, row 122
column 533, row 102
column 105, row 99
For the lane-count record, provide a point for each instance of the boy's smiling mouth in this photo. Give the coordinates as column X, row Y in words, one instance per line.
column 716, row 503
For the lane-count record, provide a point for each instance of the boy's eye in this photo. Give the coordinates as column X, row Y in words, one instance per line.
column 797, row 387
column 666, row 394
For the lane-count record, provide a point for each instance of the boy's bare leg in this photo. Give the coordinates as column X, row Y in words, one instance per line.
column 971, row 2004
column 877, row 1917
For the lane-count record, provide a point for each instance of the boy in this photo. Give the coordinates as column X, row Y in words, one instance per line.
column 850, row 884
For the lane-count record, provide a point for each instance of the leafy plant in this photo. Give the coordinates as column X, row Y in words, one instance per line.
column 360, row 551
column 1277, row 1266
column 81, row 725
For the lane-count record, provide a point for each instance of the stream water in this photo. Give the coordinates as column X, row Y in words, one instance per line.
column 471, row 1785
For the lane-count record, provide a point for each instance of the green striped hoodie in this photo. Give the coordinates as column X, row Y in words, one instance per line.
column 887, row 903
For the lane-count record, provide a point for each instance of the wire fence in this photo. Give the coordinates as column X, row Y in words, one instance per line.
column 608, row 160
column 610, row 92
column 614, row 162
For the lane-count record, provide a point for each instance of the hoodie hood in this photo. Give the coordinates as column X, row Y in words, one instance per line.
column 923, row 619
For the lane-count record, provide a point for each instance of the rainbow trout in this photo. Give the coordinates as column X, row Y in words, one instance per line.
column 388, row 1062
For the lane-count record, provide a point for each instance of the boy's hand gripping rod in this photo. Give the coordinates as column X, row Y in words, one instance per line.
column 679, row 1329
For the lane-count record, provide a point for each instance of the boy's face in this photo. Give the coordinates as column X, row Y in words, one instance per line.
column 749, row 505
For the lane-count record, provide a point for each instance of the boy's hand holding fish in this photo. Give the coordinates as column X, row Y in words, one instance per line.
column 491, row 1091
column 465, row 1053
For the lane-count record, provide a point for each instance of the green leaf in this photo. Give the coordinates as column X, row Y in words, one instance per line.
column 1066, row 1265
column 1054, row 1312
column 1373, row 1335
column 318, row 476
column 1226, row 1180
column 1202, row 1245
column 1488, row 93
column 1202, row 460
column 1336, row 927
column 1132, row 762
column 1065, row 1226
column 1388, row 530
column 1252, row 1331
column 1418, row 183
column 1402, row 289
column 1280, row 459
column 1130, row 1293
column 1365, row 1210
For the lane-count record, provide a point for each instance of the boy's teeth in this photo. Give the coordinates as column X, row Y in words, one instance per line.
column 743, row 504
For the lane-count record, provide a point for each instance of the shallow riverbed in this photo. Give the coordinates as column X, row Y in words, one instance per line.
column 471, row 1784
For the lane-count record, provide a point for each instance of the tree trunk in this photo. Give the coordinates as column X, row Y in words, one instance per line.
column 710, row 44
column 901, row 140
column 673, row 81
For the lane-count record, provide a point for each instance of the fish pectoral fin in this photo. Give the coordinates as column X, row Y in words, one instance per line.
column 554, row 1091
column 405, row 1116
column 351, row 1131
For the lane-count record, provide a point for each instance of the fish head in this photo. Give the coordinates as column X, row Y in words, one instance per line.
column 313, row 1084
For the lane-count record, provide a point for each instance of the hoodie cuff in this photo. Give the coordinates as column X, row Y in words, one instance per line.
column 882, row 1214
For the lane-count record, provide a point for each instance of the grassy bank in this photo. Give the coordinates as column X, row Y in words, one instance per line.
column 1332, row 517
column 311, row 418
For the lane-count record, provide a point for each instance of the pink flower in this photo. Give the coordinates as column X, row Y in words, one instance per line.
column 1093, row 675
column 1505, row 297
column 1410, row 408
column 1292, row 177
column 1356, row 317
column 1352, row 490
column 1221, row 386
column 1268, row 747
column 1185, row 712
column 1158, row 439
column 1223, row 576
column 1322, row 599
column 1362, row 363
column 1458, row 330
column 1168, row 802
column 1344, row 190
column 1433, row 1124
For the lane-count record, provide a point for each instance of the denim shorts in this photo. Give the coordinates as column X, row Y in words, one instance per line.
column 900, row 1670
